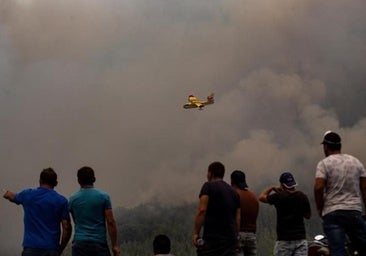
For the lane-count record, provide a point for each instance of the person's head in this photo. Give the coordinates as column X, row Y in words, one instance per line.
column 216, row 170
column 161, row 244
column 48, row 177
column 287, row 181
column 86, row 176
column 331, row 143
column 238, row 179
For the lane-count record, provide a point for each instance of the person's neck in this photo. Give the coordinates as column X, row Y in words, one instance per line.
column 45, row 186
column 334, row 152
column 290, row 189
column 86, row 186
column 216, row 179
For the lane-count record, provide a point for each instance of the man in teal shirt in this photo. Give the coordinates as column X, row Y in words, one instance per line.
column 91, row 210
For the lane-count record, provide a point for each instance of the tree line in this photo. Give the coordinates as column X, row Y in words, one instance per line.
column 138, row 226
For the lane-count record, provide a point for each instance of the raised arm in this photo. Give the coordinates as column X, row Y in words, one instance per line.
column 263, row 196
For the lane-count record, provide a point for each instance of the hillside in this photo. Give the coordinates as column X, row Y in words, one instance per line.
column 138, row 226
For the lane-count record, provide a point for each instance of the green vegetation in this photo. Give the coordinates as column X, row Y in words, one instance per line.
column 138, row 227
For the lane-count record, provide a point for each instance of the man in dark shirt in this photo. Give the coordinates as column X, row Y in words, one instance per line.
column 292, row 207
column 219, row 213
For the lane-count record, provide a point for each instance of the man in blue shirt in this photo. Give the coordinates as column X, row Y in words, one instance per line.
column 91, row 210
column 44, row 211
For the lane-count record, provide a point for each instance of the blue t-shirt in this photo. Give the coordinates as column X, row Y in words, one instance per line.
column 87, row 207
column 44, row 209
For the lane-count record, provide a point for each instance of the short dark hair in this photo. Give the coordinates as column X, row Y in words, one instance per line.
column 334, row 147
column 161, row 244
column 48, row 176
column 217, row 169
column 86, row 176
column 237, row 178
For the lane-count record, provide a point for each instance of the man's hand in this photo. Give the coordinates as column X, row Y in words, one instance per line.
column 9, row 195
column 200, row 218
column 263, row 196
column 195, row 238
column 320, row 212
column 277, row 189
column 112, row 231
column 116, row 250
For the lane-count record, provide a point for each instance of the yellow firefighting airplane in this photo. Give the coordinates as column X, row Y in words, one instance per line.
column 193, row 102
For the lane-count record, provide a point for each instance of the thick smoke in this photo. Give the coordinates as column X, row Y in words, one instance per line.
column 102, row 83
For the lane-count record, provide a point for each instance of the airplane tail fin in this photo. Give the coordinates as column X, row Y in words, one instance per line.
column 210, row 98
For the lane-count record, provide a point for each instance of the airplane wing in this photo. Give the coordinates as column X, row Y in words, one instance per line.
column 196, row 104
column 189, row 105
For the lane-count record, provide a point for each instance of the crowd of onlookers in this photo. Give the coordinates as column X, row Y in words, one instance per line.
column 225, row 221
column 228, row 217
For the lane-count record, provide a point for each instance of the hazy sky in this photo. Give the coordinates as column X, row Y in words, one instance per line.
column 102, row 83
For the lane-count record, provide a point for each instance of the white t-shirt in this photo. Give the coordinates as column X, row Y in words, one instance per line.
column 342, row 173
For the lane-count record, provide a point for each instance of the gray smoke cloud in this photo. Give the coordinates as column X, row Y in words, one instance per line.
column 102, row 83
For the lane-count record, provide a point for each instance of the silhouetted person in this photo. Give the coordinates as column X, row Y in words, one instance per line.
column 45, row 214
column 161, row 245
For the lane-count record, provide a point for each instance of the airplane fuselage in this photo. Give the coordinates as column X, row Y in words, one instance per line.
column 193, row 102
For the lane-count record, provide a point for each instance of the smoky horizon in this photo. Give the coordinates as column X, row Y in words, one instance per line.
column 103, row 84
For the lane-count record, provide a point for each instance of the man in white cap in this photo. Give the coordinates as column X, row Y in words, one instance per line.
column 292, row 207
column 340, row 188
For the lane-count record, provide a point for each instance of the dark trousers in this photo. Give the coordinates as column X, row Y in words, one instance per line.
column 38, row 252
column 90, row 249
column 340, row 223
column 218, row 248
